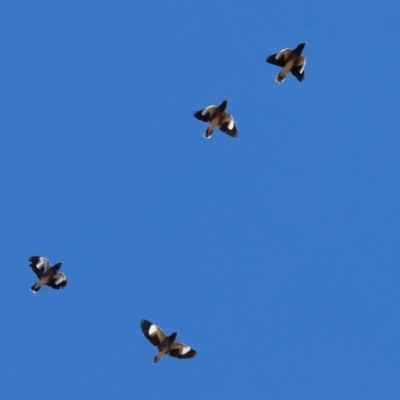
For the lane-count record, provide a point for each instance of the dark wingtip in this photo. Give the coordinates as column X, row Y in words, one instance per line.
column 33, row 289
column 300, row 48
column 224, row 104
column 145, row 323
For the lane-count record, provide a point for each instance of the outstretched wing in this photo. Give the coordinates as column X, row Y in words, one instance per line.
column 280, row 58
column 298, row 70
column 59, row 281
column 228, row 126
column 180, row 350
column 152, row 332
column 205, row 115
column 39, row 265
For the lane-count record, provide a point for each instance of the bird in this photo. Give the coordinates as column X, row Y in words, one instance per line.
column 218, row 118
column 290, row 61
column 47, row 274
column 166, row 344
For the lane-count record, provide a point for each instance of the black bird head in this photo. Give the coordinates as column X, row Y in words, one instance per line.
column 223, row 105
column 57, row 266
column 172, row 337
column 299, row 48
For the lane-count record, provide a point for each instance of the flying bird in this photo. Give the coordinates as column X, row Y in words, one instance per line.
column 290, row 61
column 47, row 274
column 166, row 344
column 218, row 118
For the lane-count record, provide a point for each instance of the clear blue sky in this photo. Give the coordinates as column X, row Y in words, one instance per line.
column 275, row 255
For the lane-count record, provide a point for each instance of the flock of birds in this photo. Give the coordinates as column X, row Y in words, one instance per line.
column 290, row 61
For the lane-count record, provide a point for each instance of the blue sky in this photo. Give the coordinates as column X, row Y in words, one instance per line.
column 275, row 255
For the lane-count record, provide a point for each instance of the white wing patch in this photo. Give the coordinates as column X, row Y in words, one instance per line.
column 280, row 54
column 156, row 331
column 58, row 278
column 182, row 348
column 153, row 330
column 208, row 110
column 228, row 119
column 303, row 66
column 43, row 264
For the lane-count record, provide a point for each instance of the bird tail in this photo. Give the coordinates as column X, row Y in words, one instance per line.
column 156, row 359
column 208, row 133
column 280, row 77
column 36, row 287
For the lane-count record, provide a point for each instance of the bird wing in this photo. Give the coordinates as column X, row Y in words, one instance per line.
column 152, row 332
column 298, row 70
column 180, row 350
column 280, row 58
column 228, row 126
column 59, row 281
column 205, row 115
column 39, row 265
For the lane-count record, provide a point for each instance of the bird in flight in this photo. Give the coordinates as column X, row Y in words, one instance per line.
column 218, row 118
column 290, row 61
column 165, row 344
column 47, row 274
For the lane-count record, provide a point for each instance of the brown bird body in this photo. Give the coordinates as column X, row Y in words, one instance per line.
column 165, row 344
column 218, row 118
column 290, row 61
column 47, row 274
